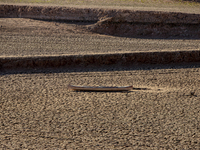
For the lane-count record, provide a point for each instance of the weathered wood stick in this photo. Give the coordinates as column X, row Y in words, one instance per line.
column 99, row 88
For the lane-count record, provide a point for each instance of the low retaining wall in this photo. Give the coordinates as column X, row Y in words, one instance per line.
column 100, row 59
column 95, row 14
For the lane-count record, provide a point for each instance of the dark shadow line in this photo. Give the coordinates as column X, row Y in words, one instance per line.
column 77, row 22
column 88, row 91
column 133, row 90
column 103, row 68
column 121, row 91
column 141, row 89
column 193, row 1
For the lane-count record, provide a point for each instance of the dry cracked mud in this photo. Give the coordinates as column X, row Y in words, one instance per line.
column 37, row 111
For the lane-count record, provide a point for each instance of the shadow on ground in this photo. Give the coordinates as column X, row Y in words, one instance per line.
column 196, row 1
column 103, row 68
column 138, row 30
column 147, row 30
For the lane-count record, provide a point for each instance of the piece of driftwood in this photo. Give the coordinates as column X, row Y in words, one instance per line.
column 99, row 88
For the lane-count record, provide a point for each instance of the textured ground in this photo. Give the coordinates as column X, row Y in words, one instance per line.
column 38, row 112
column 27, row 37
column 185, row 6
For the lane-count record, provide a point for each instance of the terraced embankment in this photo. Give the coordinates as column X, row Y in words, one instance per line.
column 38, row 112
column 128, row 23
column 118, row 22
column 95, row 14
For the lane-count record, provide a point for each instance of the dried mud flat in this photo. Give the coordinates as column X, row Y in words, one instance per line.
column 38, row 112
column 161, row 112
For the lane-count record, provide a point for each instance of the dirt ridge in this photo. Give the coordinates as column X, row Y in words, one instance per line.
column 95, row 14
column 165, row 57
column 105, row 18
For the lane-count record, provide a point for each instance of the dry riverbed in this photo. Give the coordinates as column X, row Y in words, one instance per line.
column 162, row 111
column 28, row 37
column 37, row 111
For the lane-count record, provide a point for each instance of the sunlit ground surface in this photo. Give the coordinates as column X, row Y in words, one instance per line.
column 166, row 5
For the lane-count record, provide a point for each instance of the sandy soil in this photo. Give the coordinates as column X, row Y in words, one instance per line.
column 38, row 112
column 146, row 5
column 27, row 37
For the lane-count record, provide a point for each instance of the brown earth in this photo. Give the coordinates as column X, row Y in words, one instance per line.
column 162, row 111
column 146, row 5
column 29, row 37
column 118, row 22
column 146, row 30
column 28, row 43
column 38, row 112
